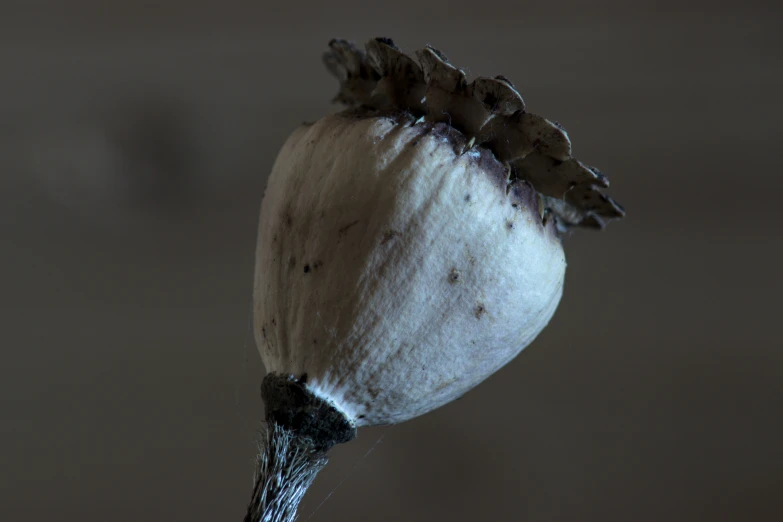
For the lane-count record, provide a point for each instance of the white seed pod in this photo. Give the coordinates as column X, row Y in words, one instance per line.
column 404, row 256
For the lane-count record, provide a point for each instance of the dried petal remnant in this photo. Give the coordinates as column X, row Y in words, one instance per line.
column 489, row 112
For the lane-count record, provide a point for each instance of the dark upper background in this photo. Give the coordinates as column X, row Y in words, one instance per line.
column 135, row 143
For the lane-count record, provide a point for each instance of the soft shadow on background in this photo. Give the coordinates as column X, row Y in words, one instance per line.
column 135, row 144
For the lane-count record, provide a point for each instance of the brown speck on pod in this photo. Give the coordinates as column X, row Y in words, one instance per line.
column 343, row 230
column 388, row 236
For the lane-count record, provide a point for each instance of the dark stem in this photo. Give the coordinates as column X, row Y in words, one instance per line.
column 287, row 465
column 300, row 430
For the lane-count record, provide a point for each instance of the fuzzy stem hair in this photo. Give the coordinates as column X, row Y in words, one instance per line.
column 287, row 465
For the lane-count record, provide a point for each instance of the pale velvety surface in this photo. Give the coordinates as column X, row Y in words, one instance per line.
column 394, row 273
column 134, row 147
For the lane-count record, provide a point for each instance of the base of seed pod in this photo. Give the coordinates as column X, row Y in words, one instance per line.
column 300, row 429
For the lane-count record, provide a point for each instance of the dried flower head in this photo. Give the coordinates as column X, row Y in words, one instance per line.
column 410, row 245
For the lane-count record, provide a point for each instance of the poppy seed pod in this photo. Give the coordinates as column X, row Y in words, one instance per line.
column 411, row 245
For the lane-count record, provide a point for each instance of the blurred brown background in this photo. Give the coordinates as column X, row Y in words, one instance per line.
column 135, row 141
